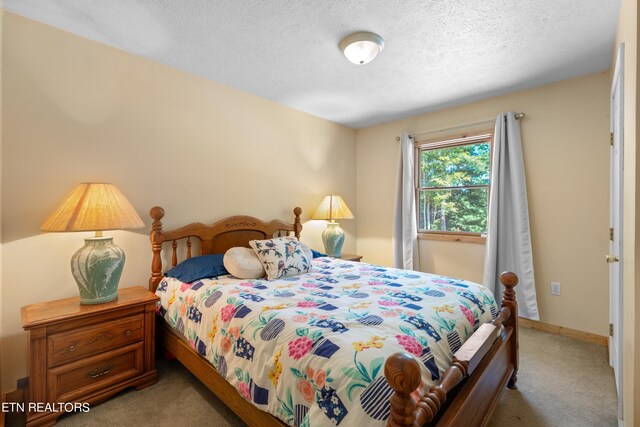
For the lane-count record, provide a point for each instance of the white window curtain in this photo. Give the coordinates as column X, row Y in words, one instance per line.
column 405, row 228
column 508, row 238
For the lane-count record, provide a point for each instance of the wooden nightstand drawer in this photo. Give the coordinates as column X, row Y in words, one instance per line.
column 74, row 380
column 79, row 343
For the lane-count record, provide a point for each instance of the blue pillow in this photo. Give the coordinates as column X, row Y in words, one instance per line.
column 317, row 254
column 198, row 267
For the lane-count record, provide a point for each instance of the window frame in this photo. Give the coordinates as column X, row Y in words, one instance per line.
column 448, row 141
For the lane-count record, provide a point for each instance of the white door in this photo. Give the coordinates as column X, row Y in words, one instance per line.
column 614, row 258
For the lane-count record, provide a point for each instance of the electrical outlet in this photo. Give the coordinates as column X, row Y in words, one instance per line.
column 555, row 288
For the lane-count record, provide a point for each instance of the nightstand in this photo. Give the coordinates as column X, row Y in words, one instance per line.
column 351, row 257
column 87, row 353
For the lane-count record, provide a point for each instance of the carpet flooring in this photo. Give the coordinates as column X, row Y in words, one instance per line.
column 561, row 382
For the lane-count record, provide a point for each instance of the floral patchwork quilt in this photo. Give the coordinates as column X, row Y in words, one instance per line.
column 310, row 349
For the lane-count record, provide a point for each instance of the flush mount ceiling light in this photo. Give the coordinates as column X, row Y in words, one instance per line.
column 360, row 48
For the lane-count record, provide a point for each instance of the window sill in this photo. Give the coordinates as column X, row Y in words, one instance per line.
column 453, row 237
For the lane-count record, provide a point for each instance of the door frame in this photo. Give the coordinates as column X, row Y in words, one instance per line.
column 616, row 218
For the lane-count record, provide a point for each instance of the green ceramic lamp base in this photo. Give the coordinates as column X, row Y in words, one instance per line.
column 97, row 268
column 333, row 239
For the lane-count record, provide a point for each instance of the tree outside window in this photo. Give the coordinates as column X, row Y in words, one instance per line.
column 453, row 184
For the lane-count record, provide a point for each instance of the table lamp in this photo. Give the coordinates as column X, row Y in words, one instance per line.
column 97, row 266
column 332, row 208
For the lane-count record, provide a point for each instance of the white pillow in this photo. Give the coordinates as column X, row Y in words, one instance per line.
column 243, row 263
column 281, row 257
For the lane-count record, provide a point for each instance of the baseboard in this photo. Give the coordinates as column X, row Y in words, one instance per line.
column 16, row 396
column 567, row 332
column 13, row 397
column 3, row 398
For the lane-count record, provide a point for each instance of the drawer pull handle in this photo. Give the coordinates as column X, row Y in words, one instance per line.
column 100, row 372
column 71, row 348
column 127, row 332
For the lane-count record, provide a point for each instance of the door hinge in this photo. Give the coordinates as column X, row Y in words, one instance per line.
column 611, row 234
column 610, row 329
column 610, row 138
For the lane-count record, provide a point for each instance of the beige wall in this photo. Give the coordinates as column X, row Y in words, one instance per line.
column 75, row 110
column 628, row 34
column 565, row 139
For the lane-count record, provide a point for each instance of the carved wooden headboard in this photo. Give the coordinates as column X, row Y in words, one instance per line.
column 213, row 239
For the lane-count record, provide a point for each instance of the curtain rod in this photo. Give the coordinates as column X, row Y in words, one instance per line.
column 518, row 116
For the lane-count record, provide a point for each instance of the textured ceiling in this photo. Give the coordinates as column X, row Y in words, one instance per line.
column 437, row 53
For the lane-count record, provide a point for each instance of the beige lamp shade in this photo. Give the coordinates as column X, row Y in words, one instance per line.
column 333, row 207
column 93, row 206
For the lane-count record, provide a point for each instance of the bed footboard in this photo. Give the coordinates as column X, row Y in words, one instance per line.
column 471, row 387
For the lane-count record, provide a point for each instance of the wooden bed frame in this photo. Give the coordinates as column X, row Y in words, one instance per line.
column 466, row 395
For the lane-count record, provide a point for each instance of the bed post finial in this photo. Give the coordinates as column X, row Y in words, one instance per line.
column 157, row 213
column 510, row 280
column 297, row 225
column 403, row 375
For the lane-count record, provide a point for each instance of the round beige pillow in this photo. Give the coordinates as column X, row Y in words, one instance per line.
column 243, row 263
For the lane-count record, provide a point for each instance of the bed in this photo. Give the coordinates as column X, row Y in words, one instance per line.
column 345, row 344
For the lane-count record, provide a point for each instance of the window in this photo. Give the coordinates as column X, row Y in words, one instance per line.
column 452, row 188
